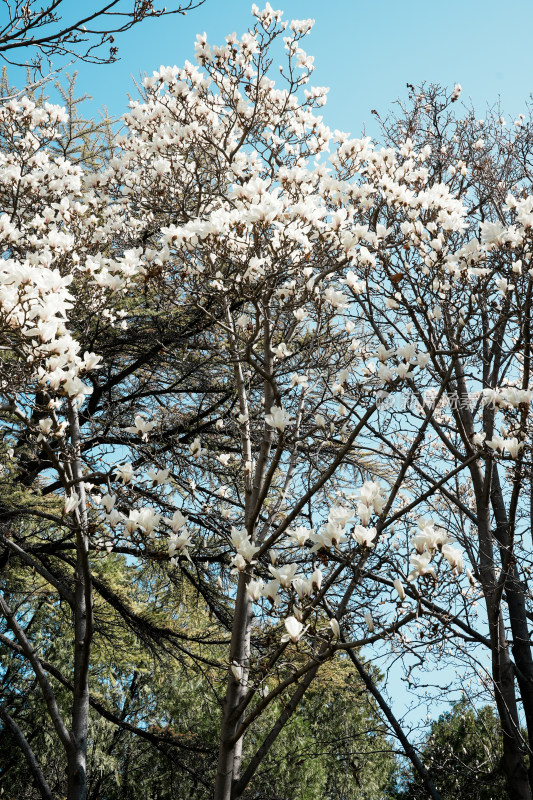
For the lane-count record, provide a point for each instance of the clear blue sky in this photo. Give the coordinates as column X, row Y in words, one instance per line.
column 365, row 52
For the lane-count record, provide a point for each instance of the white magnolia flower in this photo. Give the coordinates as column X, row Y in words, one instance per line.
column 513, row 446
column 45, row 427
column 316, row 580
column 299, row 380
column 71, row 502
column 148, row 519
column 364, row 536
column 496, row 443
column 281, row 351
column 243, row 321
column 243, row 544
column 430, row 537
column 339, row 515
column 454, row 557
column 159, row 477
column 295, row 630
column 177, row 521
column 247, row 549
column 125, row 472
column 140, row 426
column 420, row 564
column 131, row 520
column 382, row 353
column 179, row 543
column 255, row 589
column 299, row 535
column 471, row 578
column 398, row 585
column 238, row 562
column 337, row 299
column 335, row 627
column 271, row 590
column 108, row 501
column 369, row 621
column 302, row 587
column 402, row 370
column 371, row 499
column 114, row 517
column 331, row 535
column 503, row 286
column 195, row 448
column 364, row 513
column 278, row 418
column 285, row 574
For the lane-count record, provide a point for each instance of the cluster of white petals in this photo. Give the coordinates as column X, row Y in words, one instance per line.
column 429, row 540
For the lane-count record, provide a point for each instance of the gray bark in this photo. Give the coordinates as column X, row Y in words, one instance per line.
column 230, row 752
column 29, row 755
column 83, row 630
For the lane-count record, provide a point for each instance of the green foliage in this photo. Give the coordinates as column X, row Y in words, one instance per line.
column 334, row 746
column 462, row 754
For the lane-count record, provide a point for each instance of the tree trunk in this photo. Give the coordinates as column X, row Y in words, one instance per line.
column 83, row 629
column 230, row 752
column 513, row 762
column 515, row 596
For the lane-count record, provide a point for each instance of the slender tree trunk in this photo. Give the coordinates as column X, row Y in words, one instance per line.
column 230, row 752
column 33, row 764
column 513, row 762
column 83, row 629
column 515, row 596
column 261, row 753
column 503, row 677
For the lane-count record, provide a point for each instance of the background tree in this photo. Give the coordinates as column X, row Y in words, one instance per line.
column 144, row 698
column 35, row 34
column 463, row 752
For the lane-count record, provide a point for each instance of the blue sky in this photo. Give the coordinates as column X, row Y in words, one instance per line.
column 365, row 52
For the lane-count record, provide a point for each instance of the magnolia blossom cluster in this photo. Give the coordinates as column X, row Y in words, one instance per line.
column 286, row 576
column 429, row 540
column 333, row 533
column 507, row 397
column 371, row 499
column 146, row 520
column 246, row 550
column 47, row 238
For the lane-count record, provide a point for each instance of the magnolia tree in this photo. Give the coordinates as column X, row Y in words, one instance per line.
column 291, row 365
